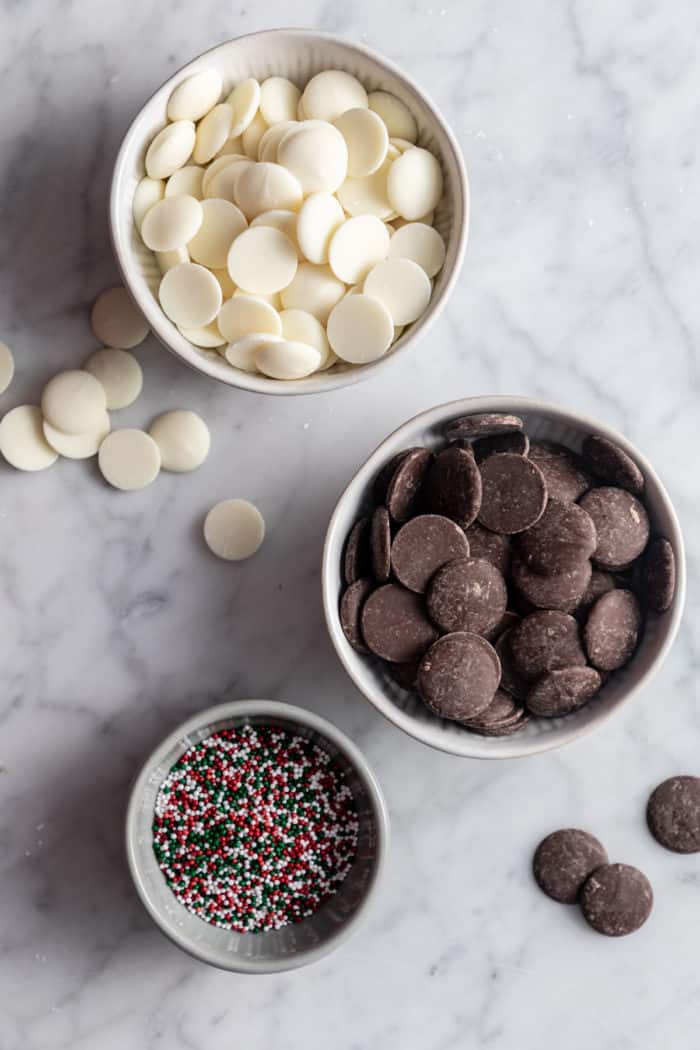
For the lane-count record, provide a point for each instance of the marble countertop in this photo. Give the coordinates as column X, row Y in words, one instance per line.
column 580, row 125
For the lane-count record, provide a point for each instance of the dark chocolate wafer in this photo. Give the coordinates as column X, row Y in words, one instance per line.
column 514, row 493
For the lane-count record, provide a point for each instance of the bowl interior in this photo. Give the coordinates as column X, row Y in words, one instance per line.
column 298, row 55
column 543, row 422
column 296, row 944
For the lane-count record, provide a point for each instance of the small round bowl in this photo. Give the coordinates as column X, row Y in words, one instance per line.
column 295, row 945
column 543, row 422
column 297, row 54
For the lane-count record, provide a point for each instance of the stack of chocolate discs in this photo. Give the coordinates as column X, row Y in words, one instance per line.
column 500, row 578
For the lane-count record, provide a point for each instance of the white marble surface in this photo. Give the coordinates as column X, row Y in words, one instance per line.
column 579, row 123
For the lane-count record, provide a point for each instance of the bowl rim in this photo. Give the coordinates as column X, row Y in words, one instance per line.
column 350, row 751
column 250, row 382
column 510, row 747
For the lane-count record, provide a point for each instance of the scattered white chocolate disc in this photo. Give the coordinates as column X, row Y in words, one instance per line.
column 414, row 183
column 244, row 314
column 171, row 223
column 319, row 217
column 170, row 149
column 78, row 446
column 234, row 529
column 315, row 289
column 190, row 295
column 166, row 260
column 358, row 245
column 280, row 219
column 7, row 367
column 119, row 373
column 252, row 135
column 267, row 147
column 212, row 132
column 22, row 440
column 182, row 438
column 331, row 93
column 187, row 180
column 360, row 329
column 285, row 359
column 402, row 286
column 74, row 402
column 299, row 326
column 368, row 195
column 221, row 224
column 279, row 98
column 195, row 96
column 244, row 101
column 116, row 320
column 367, row 140
column 129, row 459
column 267, row 187
column 316, row 153
column 241, row 354
column 399, row 121
column 207, row 336
column 147, row 193
column 261, row 259
column 420, row 243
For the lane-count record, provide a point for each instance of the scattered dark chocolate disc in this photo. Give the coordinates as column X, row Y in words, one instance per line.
column 381, row 482
column 673, row 814
column 351, row 603
column 458, row 676
column 616, row 899
column 564, row 860
column 621, row 523
column 563, row 471
column 659, row 574
column 608, row 461
column 380, row 544
column 394, row 624
column 454, row 486
column 514, row 493
column 511, row 681
column 559, row 590
column 422, row 546
column 516, row 441
column 404, row 491
column 612, row 630
column 600, row 583
column 481, row 424
column 467, row 594
column 563, row 537
column 563, row 691
column 491, row 546
column 546, row 640
column 356, row 562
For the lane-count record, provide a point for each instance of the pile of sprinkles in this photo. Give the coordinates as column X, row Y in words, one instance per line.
column 254, row 828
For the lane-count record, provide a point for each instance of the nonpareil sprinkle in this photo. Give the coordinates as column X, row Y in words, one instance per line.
column 254, row 828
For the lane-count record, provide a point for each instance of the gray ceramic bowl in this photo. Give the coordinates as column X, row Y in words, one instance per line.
column 543, row 422
column 295, row 945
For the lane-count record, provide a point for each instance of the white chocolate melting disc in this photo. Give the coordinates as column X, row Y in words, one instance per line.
column 360, row 329
column 282, row 220
column 190, row 295
column 262, row 260
column 316, row 153
column 166, row 260
column 217, row 165
column 279, row 98
column 244, row 314
column 315, row 289
column 299, row 326
column 402, row 286
column 195, row 96
column 367, row 140
column 221, row 224
column 147, row 193
column 414, row 183
column 241, row 354
column 358, row 245
column 187, row 180
column 234, row 529
column 252, row 136
column 116, row 319
column 368, row 195
column 182, row 438
column 129, row 459
column 207, row 336
column 78, row 446
column 319, row 217
column 171, row 223
column 331, row 93
column 74, row 402
column 170, row 149
column 420, row 243
column 244, row 101
column 22, row 440
column 267, row 187
column 119, row 373
column 399, row 121
column 267, row 148
column 285, row 359
column 212, row 132
column 225, row 182
column 7, row 367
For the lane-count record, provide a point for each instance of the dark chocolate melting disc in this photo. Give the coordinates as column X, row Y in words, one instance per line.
column 380, row 544
column 673, row 814
column 458, row 676
column 612, row 630
column 514, row 493
column 546, row 640
column 564, row 860
column 491, row 546
column 559, row 590
column 422, row 546
column 616, row 899
column 621, row 523
column 405, row 490
column 351, row 610
column 563, row 471
column 356, row 562
column 480, row 424
column 558, row 693
column 467, row 594
column 454, row 486
column 395, row 626
column 608, row 461
column 659, row 575
column 563, row 537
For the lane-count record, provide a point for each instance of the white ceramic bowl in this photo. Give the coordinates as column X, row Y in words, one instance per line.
column 297, row 54
column 299, row 943
column 543, row 422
